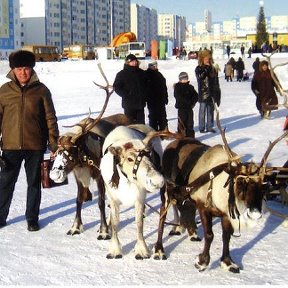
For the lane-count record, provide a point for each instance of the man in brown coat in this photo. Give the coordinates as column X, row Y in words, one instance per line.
column 28, row 124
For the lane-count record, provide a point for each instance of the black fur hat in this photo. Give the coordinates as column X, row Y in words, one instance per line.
column 21, row 58
column 130, row 57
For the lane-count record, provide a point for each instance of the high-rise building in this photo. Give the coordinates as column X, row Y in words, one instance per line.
column 9, row 27
column 144, row 23
column 85, row 22
column 207, row 20
column 172, row 27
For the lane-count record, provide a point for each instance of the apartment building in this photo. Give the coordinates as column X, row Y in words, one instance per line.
column 237, row 28
column 9, row 27
column 172, row 27
column 85, row 22
column 144, row 23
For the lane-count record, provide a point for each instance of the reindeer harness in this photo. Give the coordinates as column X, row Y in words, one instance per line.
column 84, row 156
column 183, row 193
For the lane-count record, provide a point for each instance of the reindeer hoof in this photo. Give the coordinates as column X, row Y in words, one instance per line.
column 231, row 267
column 104, row 237
column 111, row 256
column 140, row 257
column 160, row 255
column 174, row 233
column 234, row 270
column 195, row 239
column 73, row 232
column 198, row 266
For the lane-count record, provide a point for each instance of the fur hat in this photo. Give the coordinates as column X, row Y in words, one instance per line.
column 21, row 58
column 183, row 76
column 154, row 63
column 130, row 57
column 202, row 54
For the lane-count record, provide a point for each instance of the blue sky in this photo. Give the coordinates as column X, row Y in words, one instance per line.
column 221, row 10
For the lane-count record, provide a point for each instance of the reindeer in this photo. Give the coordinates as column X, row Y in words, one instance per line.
column 129, row 174
column 216, row 181
column 80, row 151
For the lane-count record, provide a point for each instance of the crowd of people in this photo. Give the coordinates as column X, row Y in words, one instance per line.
column 28, row 122
column 137, row 88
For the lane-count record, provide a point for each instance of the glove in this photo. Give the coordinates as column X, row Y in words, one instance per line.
column 208, row 68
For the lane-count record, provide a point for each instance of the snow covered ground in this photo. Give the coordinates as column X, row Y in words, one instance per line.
column 50, row 257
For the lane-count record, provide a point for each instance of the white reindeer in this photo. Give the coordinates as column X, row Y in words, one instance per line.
column 129, row 174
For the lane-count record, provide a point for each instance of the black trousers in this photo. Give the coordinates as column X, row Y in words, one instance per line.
column 8, row 178
column 158, row 118
column 135, row 116
column 186, row 116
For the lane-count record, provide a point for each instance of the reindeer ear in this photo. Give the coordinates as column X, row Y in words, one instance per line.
column 116, row 151
column 115, row 177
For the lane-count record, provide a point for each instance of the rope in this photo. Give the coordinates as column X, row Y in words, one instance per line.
column 161, row 216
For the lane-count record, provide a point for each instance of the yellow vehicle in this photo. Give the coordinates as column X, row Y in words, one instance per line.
column 81, row 51
column 44, row 53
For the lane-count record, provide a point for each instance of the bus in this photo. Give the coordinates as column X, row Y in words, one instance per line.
column 44, row 53
column 80, row 52
column 136, row 48
column 217, row 47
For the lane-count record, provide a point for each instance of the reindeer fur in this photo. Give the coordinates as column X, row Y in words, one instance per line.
column 212, row 197
column 81, row 145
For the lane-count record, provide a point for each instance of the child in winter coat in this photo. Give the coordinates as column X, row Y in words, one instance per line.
column 186, row 98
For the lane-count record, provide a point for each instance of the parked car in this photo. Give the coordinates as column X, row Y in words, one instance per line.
column 193, row 55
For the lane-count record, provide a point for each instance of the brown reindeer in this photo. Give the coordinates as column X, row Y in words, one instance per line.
column 216, row 181
column 80, row 151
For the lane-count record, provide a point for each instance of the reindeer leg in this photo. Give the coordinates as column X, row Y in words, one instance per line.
column 226, row 260
column 115, row 251
column 203, row 259
column 159, row 253
column 77, row 227
column 187, row 220
column 141, row 249
column 103, row 231
column 179, row 229
column 83, row 195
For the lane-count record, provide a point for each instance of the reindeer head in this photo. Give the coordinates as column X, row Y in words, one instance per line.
column 133, row 160
column 247, row 181
column 72, row 146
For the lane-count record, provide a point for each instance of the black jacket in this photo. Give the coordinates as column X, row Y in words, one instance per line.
column 185, row 95
column 131, row 84
column 157, row 89
column 208, row 84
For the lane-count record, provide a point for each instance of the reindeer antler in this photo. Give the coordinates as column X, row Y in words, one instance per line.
column 270, row 147
column 165, row 133
column 226, row 146
column 109, row 90
column 89, row 123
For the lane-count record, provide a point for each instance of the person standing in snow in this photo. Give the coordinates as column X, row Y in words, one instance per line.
column 186, row 98
column 263, row 86
column 255, row 65
column 228, row 71
column 242, row 50
column 157, row 97
column 208, row 90
column 131, row 85
column 240, row 67
column 28, row 124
